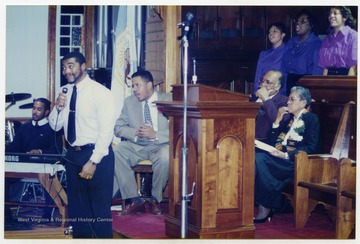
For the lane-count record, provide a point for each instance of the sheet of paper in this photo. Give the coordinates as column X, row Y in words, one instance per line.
column 264, row 146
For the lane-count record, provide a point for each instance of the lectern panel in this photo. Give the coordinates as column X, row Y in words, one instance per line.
column 220, row 161
column 229, row 151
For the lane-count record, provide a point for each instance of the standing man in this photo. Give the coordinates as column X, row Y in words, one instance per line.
column 146, row 131
column 268, row 94
column 87, row 113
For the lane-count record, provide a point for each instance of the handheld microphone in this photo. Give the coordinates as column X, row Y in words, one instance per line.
column 186, row 24
column 64, row 90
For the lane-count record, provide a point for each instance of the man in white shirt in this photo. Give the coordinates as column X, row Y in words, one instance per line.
column 89, row 159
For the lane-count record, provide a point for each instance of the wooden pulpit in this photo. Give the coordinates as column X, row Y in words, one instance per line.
column 220, row 143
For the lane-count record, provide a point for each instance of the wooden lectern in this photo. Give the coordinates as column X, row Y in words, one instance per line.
column 220, row 138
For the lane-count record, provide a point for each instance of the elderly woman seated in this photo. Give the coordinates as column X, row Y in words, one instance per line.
column 274, row 169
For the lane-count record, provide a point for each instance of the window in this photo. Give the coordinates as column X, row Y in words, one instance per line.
column 71, row 24
column 70, row 33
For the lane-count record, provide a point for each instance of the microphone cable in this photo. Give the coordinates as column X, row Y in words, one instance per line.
column 70, row 230
column 64, row 90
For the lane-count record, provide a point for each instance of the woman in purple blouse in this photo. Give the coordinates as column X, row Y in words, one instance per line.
column 301, row 54
column 271, row 59
column 338, row 53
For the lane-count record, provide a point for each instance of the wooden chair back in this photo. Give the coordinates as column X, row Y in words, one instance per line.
column 341, row 144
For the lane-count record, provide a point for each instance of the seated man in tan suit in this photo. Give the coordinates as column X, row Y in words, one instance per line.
column 146, row 131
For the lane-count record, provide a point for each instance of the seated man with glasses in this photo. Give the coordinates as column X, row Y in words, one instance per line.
column 268, row 94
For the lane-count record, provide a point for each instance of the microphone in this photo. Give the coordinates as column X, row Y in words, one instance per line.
column 186, row 24
column 64, row 90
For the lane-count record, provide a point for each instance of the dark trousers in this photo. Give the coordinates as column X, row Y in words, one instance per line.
column 338, row 71
column 271, row 176
column 90, row 200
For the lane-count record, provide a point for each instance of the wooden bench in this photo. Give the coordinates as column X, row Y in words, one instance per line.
column 331, row 94
column 328, row 178
column 346, row 199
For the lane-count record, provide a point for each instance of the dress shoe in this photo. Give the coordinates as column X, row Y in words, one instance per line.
column 116, row 201
column 132, row 209
column 155, row 207
column 263, row 220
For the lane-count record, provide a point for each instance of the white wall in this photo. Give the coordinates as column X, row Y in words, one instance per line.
column 26, row 54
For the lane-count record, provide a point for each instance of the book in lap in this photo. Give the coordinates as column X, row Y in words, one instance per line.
column 264, row 146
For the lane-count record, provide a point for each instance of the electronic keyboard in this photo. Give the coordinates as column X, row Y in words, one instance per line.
column 33, row 158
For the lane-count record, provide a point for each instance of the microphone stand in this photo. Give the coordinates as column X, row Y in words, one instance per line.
column 10, row 105
column 184, row 199
column 13, row 102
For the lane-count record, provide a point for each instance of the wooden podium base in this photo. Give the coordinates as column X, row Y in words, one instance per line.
column 220, row 161
column 173, row 230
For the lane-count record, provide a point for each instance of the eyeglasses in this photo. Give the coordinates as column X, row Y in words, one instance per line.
column 267, row 82
column 301, row 21
column 292, row 99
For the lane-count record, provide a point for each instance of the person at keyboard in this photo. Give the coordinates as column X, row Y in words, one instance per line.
column 35, row 137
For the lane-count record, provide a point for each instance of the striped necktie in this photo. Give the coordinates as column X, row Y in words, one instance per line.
column 147, row 115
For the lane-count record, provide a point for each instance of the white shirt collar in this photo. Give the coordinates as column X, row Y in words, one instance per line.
column 154, row 97
column 42, row 122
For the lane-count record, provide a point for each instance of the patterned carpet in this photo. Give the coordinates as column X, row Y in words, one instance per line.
column 141, row 226
column 281, row 226
column 148, row 226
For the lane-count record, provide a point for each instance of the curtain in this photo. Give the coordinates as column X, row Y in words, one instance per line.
column 127, row 40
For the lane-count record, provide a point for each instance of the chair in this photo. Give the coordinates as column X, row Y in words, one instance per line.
column 34, row 187
column 144, row 166
column 30, row 186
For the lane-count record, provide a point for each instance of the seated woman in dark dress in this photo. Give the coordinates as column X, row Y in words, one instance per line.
column 275, row 169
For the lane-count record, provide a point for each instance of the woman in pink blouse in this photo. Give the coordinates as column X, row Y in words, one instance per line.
column 338, row 53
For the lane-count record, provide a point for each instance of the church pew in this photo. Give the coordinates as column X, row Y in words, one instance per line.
column 326, row 180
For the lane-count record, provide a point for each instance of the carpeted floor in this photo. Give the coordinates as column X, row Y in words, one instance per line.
column 141, row 226
column 148, row 226
column 281, row 226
